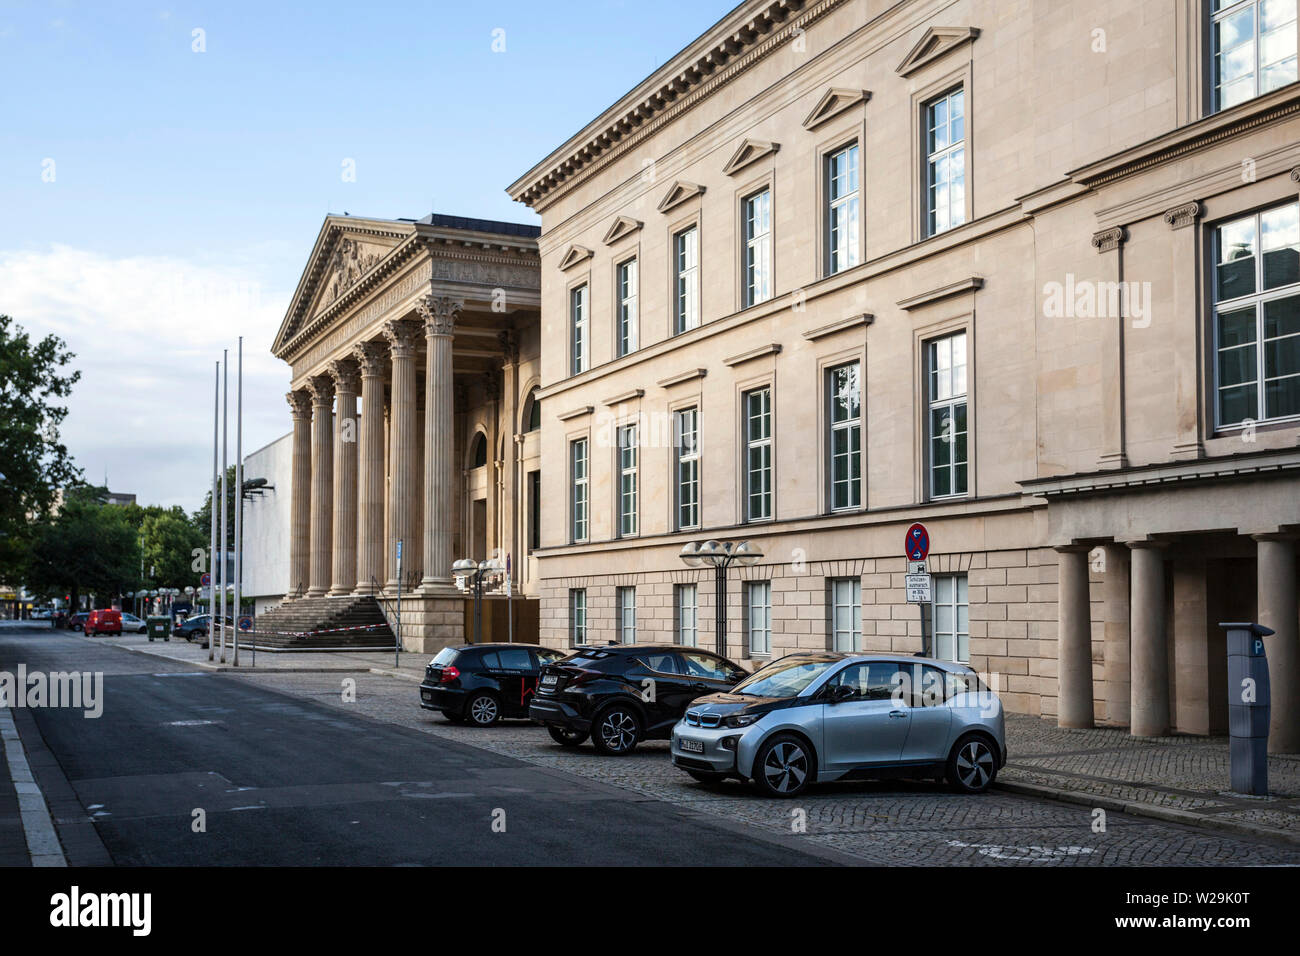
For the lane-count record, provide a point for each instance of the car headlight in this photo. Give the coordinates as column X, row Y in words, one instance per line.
column 740, row 720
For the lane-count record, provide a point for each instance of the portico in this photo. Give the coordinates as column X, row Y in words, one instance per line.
column 401, row 337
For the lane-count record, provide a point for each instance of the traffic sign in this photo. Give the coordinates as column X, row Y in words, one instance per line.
column 245, row 623
column 916, row 567
column 205, row 580
column 918, row 588
column 917, row 545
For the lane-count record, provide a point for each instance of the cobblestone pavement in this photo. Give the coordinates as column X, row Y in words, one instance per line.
column 897, row 823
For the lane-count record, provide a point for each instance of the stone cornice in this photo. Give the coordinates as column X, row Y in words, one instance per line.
column 1274, row 462
column 688, row 376
column 574, row 413
column 623, row 397
column 748, row 35
column 772, row 348
column 969, row 284
column 852, row 322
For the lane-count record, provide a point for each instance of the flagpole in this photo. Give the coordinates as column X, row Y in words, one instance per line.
column 225, row 532
column 239, row 493
column 212, row 541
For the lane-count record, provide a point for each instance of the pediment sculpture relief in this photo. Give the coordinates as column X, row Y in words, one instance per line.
column 348, row 264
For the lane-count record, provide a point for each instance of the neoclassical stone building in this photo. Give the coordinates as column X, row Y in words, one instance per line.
column 1026, row 272
column 414, row 352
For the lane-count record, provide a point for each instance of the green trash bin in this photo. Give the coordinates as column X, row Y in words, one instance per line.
column 159, row 627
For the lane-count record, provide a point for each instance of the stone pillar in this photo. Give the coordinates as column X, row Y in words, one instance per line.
column 300, row 496
column 371, row 357
column 1183, row 338
column 322, row 484
column 1115, row 604
column 347, row 381
column 1191, row 636
column 1074, row 639
column 402, row 335
column 1276, row 582
column 1150, row 671
column 1110, row 244
column 510, row 540
column 439, row 314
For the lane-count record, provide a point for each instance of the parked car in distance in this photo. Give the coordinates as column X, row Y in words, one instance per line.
column 77, row 622
column 42, row 613
column 621, row 694
column 821, row 716
column 196, row 628
column 105, row 621
column 132, row 623
column 481, row 683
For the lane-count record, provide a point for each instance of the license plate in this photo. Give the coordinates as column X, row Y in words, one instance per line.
column 427, row 694
column 550, row 680
column 692, row 746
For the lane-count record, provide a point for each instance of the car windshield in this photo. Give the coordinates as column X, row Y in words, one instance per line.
column 785, row 678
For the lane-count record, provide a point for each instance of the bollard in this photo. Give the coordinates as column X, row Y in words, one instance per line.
column 1248, row 707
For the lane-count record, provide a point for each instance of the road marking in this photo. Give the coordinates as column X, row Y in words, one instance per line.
column 190, row 723
column 42, row 841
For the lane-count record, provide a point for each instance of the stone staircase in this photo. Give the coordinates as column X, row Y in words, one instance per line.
column 283, row 628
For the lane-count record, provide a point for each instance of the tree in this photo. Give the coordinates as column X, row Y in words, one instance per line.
column 86, row 546
column 169, row 543
column 202, row 519
column 34, row 378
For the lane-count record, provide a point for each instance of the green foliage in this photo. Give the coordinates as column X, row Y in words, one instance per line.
column 202, row 519
column 86, row 546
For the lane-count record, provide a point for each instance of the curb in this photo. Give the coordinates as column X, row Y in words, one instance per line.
column 360, row 668
column 1135, row 808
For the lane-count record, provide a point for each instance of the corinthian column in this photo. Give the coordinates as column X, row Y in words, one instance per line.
column 300, row 495
column 402, row 335
column 322, row 483
column 347, row 380
column 370, row 485
column 439, row 315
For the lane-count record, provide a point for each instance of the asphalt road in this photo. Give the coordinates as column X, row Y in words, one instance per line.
column 285, row 781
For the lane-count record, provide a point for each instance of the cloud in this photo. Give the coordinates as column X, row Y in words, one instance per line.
column 146, row 331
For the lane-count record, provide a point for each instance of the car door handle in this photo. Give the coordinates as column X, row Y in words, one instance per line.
column 897, row 713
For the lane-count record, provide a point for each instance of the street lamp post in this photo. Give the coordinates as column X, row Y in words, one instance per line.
column 475, row 574
column 720, row 555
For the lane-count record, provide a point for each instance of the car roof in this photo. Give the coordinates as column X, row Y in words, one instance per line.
column 883, row 656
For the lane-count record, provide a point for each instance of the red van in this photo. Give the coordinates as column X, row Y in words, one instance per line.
column 107, row 621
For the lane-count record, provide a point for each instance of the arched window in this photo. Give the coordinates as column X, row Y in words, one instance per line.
column 478, row 457
column 533, row 419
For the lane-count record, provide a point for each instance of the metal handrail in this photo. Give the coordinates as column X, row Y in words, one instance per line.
column 390, row 616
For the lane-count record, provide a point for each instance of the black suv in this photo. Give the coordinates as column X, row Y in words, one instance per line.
column 621, row 694
column 482, row 683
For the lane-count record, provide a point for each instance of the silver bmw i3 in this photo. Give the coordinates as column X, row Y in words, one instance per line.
column 818, row 716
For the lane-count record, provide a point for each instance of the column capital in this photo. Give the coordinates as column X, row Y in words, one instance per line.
column 299, row 404
column 371, row 356
column 402, row 335
column 1183, row 215
column 346, row 375
column 321, row 388
column 509, row 341
column 439, row 313
column 1295, row 175
column 1109, row 239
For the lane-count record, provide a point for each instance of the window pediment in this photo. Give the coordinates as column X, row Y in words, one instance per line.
column 750, row 151
column 620, row 228
column 934, row 43
column 679, row 193
column 834, row 102
column 573, row 255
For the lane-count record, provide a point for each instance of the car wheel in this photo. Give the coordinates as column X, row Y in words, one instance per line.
column 483, row 710
column 454, row 717
column 617, row 731
column 706, row 777
column 566, row 738
column 972, row 765
column 783, row 766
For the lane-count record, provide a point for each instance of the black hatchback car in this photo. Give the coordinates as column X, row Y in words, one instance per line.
column 481, row 683
column 621, row 694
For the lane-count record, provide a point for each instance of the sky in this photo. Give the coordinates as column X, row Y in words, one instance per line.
column 165, row 169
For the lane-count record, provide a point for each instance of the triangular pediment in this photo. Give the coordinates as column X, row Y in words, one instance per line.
column 679, row 193
column 834, row 102
column 347, row 249
column 621, row 228
column 934, row 43
column 750, row 151
column 573, row 255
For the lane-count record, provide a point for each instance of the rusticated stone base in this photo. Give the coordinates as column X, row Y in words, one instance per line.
column 430, row 623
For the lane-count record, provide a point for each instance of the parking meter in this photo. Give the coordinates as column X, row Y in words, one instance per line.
column 1248, row 707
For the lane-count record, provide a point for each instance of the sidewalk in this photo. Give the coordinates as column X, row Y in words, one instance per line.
column 411, row 666
column 1179, row 779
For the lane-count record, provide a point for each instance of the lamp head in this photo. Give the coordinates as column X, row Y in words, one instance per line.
column 747, row 554
column 691, row 554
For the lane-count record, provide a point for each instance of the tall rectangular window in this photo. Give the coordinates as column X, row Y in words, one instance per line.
column 845, row 445
column 686, row 428
column 1253, row 48
column 757, row 217
column 758, row 600
column 1257, row 316
column 627, row 314
column 579, row 357
column 758, row 454
column 842, row 199
column 627, row 480
column 946, row 422
column 950, row 614
column 688, row 612
column 626, row 606
column 578, row 615
column 579, row 494
column 846, row 614
column 945, row 162
column 534, row 510
column 686, row 279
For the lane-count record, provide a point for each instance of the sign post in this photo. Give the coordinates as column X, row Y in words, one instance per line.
column 918, row 583
column 397, row 644
column 510, row 603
